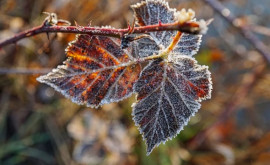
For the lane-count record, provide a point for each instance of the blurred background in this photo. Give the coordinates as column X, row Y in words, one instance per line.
column 40, row 126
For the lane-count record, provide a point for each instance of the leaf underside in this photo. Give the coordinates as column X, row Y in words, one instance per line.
column 96, row 72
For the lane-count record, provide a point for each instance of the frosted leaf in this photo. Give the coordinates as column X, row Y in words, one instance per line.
column 96, row 72
column 168, row 95
column 169, row 89
column 152, row 12
column 145, row 47
column 188, row 44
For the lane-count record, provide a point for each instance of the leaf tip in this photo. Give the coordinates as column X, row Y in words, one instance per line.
column 41, row 79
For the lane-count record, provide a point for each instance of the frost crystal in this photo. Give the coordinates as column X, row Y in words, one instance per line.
column 168, row 95
column 152, row 12
column 184, row 15
column 169, row 90
column 97, row 72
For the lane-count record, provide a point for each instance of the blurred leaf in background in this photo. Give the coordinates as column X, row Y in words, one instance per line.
column 98, row 139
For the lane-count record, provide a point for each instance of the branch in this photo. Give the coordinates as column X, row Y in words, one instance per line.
column 187, row 27
column 27, row 71
column 246, row 33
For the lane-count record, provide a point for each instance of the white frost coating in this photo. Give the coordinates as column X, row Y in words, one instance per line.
column 203, row 26
column 145, row 47
column 183, row 15
column 62, row 77
column 170, row 90
column 188, row 45
column 170, row 99
column 154, row 11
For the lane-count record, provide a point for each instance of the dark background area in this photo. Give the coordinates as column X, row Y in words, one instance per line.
column 39, row 126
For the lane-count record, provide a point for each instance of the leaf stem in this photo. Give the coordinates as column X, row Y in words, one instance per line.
column 172, row 45
column 175, row 41
column 167, row 51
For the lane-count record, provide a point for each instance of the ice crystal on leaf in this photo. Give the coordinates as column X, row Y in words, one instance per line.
column 96, row 72
column 168, row 95
column 152, row 12
column 169, row 89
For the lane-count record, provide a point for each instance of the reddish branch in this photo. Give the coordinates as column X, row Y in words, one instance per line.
column 248, row 35
column 188, row 27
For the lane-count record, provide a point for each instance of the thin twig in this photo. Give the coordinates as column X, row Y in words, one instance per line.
column 248, row 35
column 261, row 30
column 188, row 27
column 29, row 71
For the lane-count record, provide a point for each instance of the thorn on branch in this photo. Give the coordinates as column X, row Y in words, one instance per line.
column 76, row 24
column 90, row 23
column 50, row 25
column 131, row 29
column 159, row 23
column 128, row 25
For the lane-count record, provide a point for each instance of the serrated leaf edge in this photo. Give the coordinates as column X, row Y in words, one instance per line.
column 208, row 96
column 41, row 78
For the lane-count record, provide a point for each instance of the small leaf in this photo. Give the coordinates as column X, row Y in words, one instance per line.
column 168, row 95
column 152, row 12
column 96, row 72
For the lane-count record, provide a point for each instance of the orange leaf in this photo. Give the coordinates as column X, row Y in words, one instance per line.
column 96, row 72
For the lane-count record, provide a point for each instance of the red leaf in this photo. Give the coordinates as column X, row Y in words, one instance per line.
column 96, row 72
